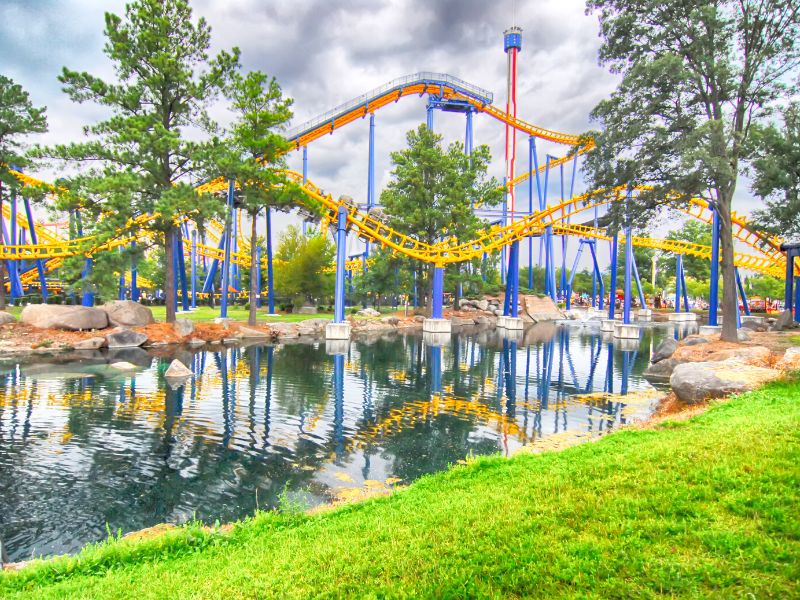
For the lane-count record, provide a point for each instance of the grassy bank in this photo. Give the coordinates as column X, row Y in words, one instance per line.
column 705, row 507
column 237, row 313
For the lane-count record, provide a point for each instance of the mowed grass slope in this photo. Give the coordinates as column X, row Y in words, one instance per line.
column 703, row 508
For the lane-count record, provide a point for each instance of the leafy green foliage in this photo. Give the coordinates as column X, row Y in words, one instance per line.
column 777, row 175
column 695, row 77
column 19, row 118
column 300, row 261
column 142, row 156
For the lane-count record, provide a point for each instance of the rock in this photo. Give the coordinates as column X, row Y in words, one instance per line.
column 751, row 355
column 497, row 312
column 284, row 330
column 664, row 350
column 783, row 322
column 92, row 343
column 694, row 341
column 177, row 370
column 790, row 360
column 481, row 304
column 125, row 338
column 123, row 366
column 368, row 312
column 536, row 309
column 183, row 327
column 661, row 370
column 695, row 382
column 307, row 310
column 468, row 308
column 419, row 318
column 6, row 318
column 393, row 321
column 127, row 313
column 252, row 334
column 195, row 343
column 481, row 320
column 137, row 356
column 742, row 336
column 57, row 316
column 754, row 326
column 224, row 321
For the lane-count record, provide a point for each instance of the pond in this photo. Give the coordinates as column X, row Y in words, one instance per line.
column 86, row 449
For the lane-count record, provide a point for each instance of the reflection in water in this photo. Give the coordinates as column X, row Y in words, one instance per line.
column 84, row 446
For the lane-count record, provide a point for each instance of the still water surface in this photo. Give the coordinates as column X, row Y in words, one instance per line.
column 85, row 449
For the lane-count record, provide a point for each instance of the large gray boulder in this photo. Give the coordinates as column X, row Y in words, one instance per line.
column 6, row 318
column 125, row 338
column 183, row 327
column 57, row 316
column 660, row 371
column 664, row 350
column 127, row 313
column 92, row 343
column 368, row 312
column 785, row 321
column 695, row 382
column 253, row 334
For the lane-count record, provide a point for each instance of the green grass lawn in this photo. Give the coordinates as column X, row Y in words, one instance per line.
column 699, row 508
column 237, row 313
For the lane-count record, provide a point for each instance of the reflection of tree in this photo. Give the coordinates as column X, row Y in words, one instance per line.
column 301, row 378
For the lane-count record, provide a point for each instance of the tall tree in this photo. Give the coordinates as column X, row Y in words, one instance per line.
column 253, row 154
column 145, row 153
column 19, row 118
column 696, row 75
column 301, row 263
column 695, row 232
column 433, row 191
column 777, row 175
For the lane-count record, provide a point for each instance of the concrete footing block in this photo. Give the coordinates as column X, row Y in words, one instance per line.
column 607, row 325
column 437, row 325
column 682, row 317
column 645, row 314
column 337, row 331
column 710, row 329
column 626, row 331
column 513, row 323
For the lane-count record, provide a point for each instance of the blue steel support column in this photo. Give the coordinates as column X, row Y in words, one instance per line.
column 563, row 277
column 134, row 273
column 305, row 179
column 597, row 276
column 226, row 262
column 270, row 281
column 468, row 135
column 684, row 288
column 503, row 253
column 370, row 172
column 713, row 295
column 531, row 151
column 572, row 275
column 678, row 261
column 626, row 310
column 258, row 277
column 175, row 267
column 741, row 292
column 181, row 270
column 638, row 283
column 429, row 121
column 13, row 265
column 34, row 240
column 194, row 268
column 121, row 283
column 612, row 294
column 341, row 265
column 211, row 272
column 438, row 292
column 797, row 299
column 788, row 296
column 511, row 302
column 88, row 295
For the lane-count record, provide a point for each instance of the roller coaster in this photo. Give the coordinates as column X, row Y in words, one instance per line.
column 28, row 241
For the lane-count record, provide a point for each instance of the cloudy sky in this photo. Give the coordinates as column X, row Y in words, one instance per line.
column 326, row 52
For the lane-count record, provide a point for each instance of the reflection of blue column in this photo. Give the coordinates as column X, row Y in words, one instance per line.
column 226, row 262
column 510, row 359
column 341, row 260
column 338, row 410
column 610, row 370
column 438, row 292
column 435, row 369
column 268, row 398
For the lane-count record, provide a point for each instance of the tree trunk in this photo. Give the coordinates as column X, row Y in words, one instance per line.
column 729, row 295
column 169, row 275
column 254, row 267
